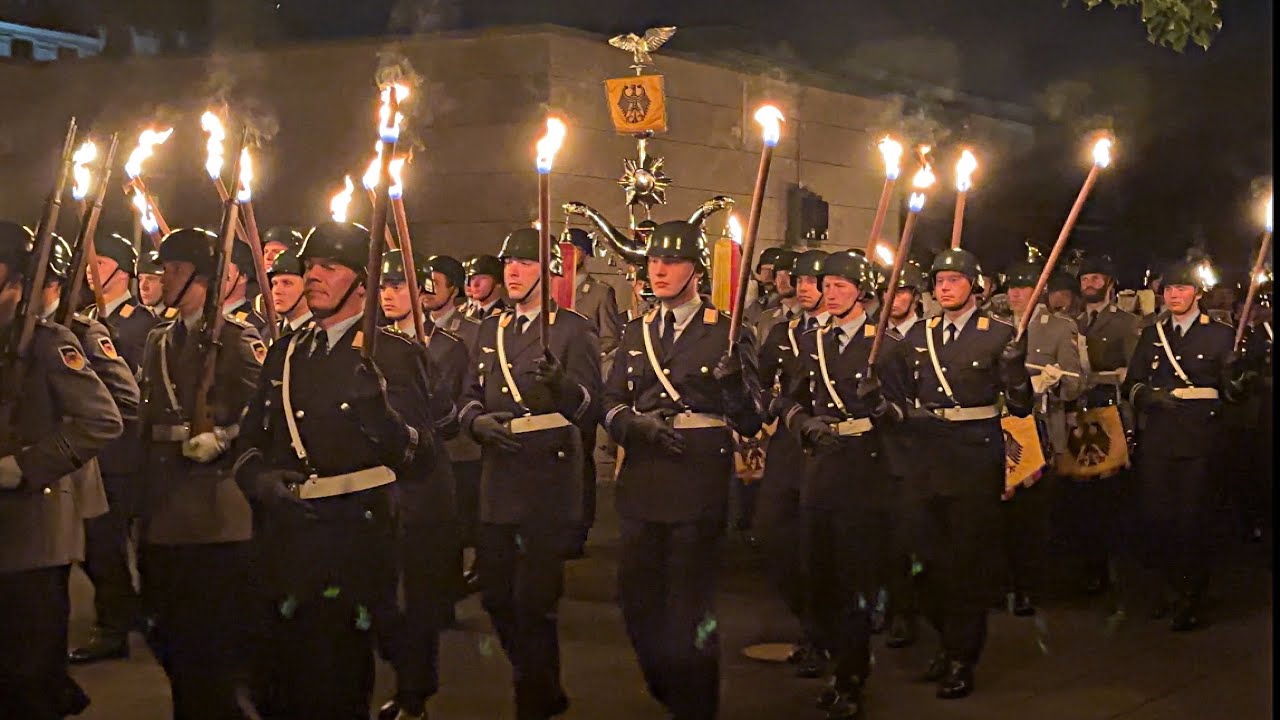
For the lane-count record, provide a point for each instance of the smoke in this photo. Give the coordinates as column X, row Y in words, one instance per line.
column 412, row 17
column 917, row 119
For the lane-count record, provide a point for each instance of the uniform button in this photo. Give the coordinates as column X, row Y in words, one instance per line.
column 1177, row 357
column 509, row 366
column 703, row 369
column 975, row 362
column 666, row 371
column 857, row 376
column 344, row 407
column 368, row 514
column 662, row 394
column 1199, row 357
column 560, row 454
column 481, row 366
column 48, row 491
column 723, row 451
column 939, row 389
column 299, row 414
column 504, row 389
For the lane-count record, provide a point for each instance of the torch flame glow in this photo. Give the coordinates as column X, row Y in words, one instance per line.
column 212, row 125
column 1269, row 215
column 549, row 144
column 964, row 170
column 396, row 191
column 885, row 254
column 373, row 175
column 1208, row 278
column 1262, row 278
column 1102, row 152
column 735, row 229
column 922, row 181
column 147, row 142
column 341, row 201
column 80, row 172
column 770, row 119
column 245, row 194
column 388, row 130
column 891, row 151
column 148, row 218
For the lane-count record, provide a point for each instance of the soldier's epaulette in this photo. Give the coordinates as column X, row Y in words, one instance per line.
column 933, row 321
column 389, row 331
column 568, row 310
column 1002, row 321
column 1204, row 319
column 127, row 309
column 710, row 316
column 504, row 319
column 795, row 321
column 453, row 324
column 237, row 319
column 170, row 313
column 649, row 316
column 868, row 330
column 452, row 336
column 82, row 319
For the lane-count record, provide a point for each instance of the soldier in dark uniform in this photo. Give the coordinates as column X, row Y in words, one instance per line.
column 484, row 286
column 527, row 408
column 279, row 240
column 63, row 418
column 593, row 298
column 128, row 319
column 443, row 299
column 150, row 293
column 1183, row 369
column 766, row 297
column 778, row 513
column 674, row 397
column 288, row 294
column 1258, row 348
column 236, row 292
column 954, row 369
column 320, row 461
column 196, row 524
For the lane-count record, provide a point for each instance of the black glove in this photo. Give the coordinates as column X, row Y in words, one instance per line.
column 816, row 433
column 273, row 490
column 1149, row 398
column 729, row 369
column 549, row 372
column 922, row 416
column 871, row 396
column 491, row 430
column 1013, row 361
column 372, row 409
column 652, row 427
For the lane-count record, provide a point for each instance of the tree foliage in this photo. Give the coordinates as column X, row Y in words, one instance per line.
column 1172, row 23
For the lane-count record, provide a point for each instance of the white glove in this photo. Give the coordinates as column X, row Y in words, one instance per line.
column 1048, row 377
column 205, row 447
column 10, row 473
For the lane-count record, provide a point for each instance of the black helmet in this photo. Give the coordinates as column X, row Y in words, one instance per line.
column 809, row 263
column 15, row 246
column 393, row 269
column 343, row 242
column 957, row 260
column 286, row 263
column 191, row 245
column 59, row 259
column 768, row 256
column 580, row 239
column 682, row 240
column 853, row 267
column 482, row 265
column 1060, row 280
column 282, row 235
column 911, row 276
column 118, row 248
column 242, row 258
column 785, row 261
column 1183, row 272
column 448, row 267
column 522, row 244
column 1023, row 274
column 149, row 263
column 1097, row 264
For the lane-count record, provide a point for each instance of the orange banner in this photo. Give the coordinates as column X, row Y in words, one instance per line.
column 637, row 104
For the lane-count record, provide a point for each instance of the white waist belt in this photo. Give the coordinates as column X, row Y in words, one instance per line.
column 334, row 485
column 965, row 414
column 1195, row 393
column 696, row 421
column 534, row 423
column 856, row 426
column 170, row 433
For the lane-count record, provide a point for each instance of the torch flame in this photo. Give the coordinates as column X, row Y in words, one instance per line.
column 212, row 125
column 85, row 155
column 1208, row 278
column 147, row 142
column 549, row 144
column 373, row 175
column 885, row 254
column 1268, row 219
column 735, row 229
column 148, row 218
column 388, row 130
column 770, row 119
column 341, row 201
column 922, row 181
column 1102, row 152
column 245, row 194
column 964, row 170
column 1262, row 278
column 891, row 151
column 396, row 191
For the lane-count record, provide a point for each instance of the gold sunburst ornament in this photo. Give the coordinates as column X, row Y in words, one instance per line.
column 644, row 181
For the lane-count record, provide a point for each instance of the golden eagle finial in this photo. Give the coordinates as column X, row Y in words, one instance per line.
column 640, row 47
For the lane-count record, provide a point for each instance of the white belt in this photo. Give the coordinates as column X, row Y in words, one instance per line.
column 170, row 433
column 964, row 414
column 855, row 426
column 1108, row 377
column 534, row 423
column 334, row 485
column 696, row 421
column 1195, row 393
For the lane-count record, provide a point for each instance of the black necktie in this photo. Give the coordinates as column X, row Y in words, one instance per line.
column 838, row 334
column 320, row 346
column 1177, row 331
column 949, row 334
column 179, row 335
column 668, row 331
column 1093, row 317
column 810, row 324
column 521, row 323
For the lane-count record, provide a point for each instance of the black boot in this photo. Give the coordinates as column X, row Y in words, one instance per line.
column 102, row 645
column 937, row 668
column 958, row 681
column 902, row 633
column 848, row 701
column 1022, row 605
column 813, row 665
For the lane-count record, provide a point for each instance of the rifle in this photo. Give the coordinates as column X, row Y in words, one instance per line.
column 27, row 311
column 84, row 252
column 213, row 318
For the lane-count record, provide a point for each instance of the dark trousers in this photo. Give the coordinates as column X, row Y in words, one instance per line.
column 897, row 560
column 1177, row 502
column 1025, row 525
column 201, row 598
column 958, row 537
column 522, row 574
column 33, row 644
column 466, row 476
column 778, row 521
column 429, row 566
column 1094, row 520
column 842, row 549
column 106, row 560
column 588, row 483
column 666, row 586
column 320, row 663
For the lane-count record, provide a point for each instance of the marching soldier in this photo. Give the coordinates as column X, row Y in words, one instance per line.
column 1062, row 294
column 674, row 399
column 1259, row 358
column 150, row 292
column 441, row 298
column 328, row 436
column 954, row 369
column 129, row 320
column 62, row 419
column 279, row 240
column 528, row 408
column 276, row 242
column 1057, row 378
column 766, row 297
column 235, row 293
column 593, row 298
column 778, row 512
column 288, row 294
column 195, row 523
column 484, row 286
column 904, row 311
column 784, row 279
column 1183, row 369
column 833, row 406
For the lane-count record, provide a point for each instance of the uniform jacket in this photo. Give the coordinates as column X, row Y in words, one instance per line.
column 474, row 313
column 452, row 360
column 778, row 361
column 122, row 456
column 754, row 309
column 1109, row 343
column 1052, row 339
column 463, row 327
column 774, row 316
column 542, row 483
column 596, row 301
column 129, row 323
column 65, row 418
column 652, row 485
column 1205, row 353
column 247, row 312
column 185, row 502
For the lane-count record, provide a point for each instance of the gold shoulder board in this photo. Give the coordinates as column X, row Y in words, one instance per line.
column 868, row 330
column 126, row 310
column 710, row 316
column 984, row 323
column 358, row 340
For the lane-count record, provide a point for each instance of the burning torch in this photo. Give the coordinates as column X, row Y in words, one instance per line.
column 83, row 257
column 891, row 151
column 388, row 134
column 1257, row 277
column 545, row 150
column 964, row 180
column 922, row 181
column 143, row 201
column 770, row 119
